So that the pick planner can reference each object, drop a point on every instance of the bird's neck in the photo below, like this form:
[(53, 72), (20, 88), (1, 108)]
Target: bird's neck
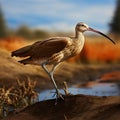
[(79, 35)]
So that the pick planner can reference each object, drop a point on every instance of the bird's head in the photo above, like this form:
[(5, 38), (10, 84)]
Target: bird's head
[(82, 27)]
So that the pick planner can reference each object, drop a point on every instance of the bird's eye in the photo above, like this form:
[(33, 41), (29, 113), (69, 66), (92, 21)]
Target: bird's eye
[(82, 25)]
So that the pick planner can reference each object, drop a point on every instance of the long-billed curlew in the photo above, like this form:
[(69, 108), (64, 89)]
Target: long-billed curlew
[(55, 50)]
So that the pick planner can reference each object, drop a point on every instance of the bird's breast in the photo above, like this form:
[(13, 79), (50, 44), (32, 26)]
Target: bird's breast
[(76, 48), (69, 51)]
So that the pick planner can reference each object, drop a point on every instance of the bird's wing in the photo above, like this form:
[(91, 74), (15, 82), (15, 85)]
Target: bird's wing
[(48, 47), (22, 52)]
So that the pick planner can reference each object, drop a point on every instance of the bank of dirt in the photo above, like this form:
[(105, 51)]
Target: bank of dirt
[(78, 107)]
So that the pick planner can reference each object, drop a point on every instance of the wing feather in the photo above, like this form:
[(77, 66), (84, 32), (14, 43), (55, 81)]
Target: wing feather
[(22, 52), (48, 48), (43, 49)]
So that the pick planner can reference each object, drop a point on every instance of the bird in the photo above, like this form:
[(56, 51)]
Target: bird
[(54, 51)]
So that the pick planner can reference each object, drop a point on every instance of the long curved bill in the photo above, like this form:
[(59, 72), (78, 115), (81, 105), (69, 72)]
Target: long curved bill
[(93, 30)]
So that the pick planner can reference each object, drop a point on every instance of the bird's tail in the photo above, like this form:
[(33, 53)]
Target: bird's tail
[(25, 61), (22, 52)]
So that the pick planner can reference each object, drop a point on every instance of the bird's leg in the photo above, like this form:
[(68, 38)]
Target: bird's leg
[(52, 78), (45, 68), (51, 74)]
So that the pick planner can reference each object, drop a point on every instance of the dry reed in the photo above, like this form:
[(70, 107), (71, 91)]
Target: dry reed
[(17, 98)]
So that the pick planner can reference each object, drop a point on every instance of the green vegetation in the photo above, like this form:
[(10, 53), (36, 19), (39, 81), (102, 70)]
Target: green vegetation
[(115, 24), (3, 27), (22, 31), (26, 32)]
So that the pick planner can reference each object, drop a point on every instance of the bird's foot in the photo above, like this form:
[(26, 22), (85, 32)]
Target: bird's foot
[(58, 95)]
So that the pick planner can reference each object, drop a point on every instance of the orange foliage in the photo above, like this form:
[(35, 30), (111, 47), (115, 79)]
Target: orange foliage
[(103, 51), (97, 50), (115, 75), (12, 43)]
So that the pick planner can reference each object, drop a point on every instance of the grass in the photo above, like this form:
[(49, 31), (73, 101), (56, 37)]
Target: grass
[(17, 98)]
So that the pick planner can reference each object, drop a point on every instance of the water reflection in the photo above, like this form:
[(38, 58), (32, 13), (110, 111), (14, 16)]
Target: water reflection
[(101, 89)]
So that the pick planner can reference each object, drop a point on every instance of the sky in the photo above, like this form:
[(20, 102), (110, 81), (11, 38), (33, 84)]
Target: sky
[(58, 15)]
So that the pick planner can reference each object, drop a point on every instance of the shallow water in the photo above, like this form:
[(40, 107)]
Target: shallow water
[(101, 89)]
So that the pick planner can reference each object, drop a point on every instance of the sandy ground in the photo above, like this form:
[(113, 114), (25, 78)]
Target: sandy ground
[(79, 107)]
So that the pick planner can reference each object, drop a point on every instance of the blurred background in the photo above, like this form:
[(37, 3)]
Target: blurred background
[(95, 71), (26, 21)]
